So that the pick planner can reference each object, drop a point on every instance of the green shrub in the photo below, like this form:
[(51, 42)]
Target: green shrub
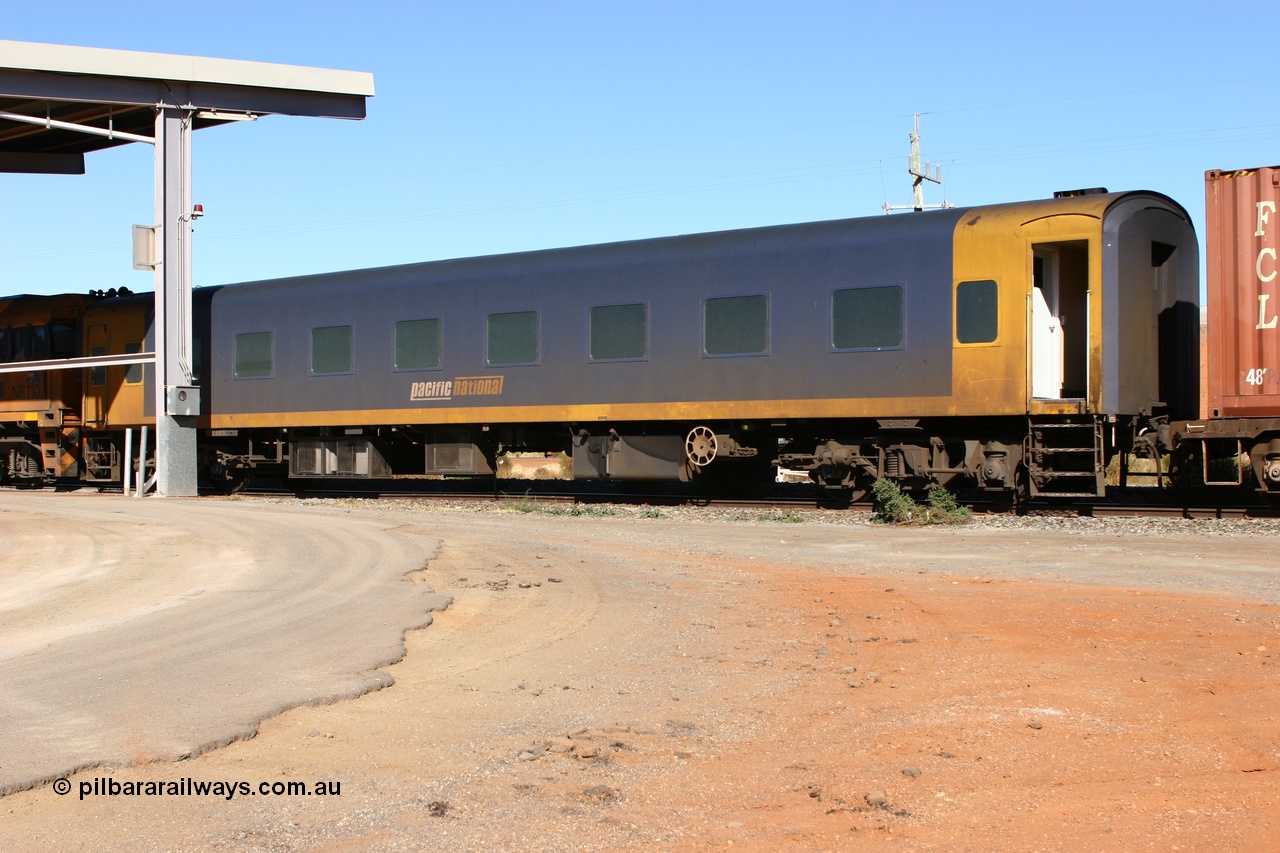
[(894, 507)]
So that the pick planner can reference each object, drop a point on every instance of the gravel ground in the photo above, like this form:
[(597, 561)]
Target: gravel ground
[(694, 679)]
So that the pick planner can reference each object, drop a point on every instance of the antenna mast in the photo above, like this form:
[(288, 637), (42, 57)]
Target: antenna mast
[(918, 177)]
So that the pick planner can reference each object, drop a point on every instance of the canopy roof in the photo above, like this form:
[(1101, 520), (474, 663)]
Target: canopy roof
[(59, 102)]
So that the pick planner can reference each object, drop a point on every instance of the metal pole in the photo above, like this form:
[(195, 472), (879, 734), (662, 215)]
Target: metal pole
[(142, 460), (175, 453), (128, 461)]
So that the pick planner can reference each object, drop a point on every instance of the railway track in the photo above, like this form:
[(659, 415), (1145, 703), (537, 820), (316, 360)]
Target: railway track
[(542, 493), (554, 494)]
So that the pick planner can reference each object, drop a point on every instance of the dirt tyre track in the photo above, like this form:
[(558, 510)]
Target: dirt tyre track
[(159, 629)]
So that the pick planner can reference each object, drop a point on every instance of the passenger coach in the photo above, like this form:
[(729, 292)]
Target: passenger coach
[(1014, 347)]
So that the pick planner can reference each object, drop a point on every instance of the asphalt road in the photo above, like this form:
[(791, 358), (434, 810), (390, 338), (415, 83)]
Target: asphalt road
[(133, 630)]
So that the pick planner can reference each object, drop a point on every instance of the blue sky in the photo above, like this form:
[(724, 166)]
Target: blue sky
[(504, 126)]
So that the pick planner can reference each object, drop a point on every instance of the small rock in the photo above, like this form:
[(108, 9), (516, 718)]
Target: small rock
[(586, 750), (602, 793), (553, 580), (560, 744), (877, 798), (913, 772), (1035, 724)]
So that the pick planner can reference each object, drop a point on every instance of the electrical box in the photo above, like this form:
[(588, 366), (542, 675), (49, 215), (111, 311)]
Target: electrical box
[(183, 401)]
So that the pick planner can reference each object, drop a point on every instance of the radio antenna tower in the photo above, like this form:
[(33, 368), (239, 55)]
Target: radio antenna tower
[(918, 177)]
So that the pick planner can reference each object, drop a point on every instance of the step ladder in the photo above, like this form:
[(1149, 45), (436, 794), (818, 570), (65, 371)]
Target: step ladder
[(1066, 459)]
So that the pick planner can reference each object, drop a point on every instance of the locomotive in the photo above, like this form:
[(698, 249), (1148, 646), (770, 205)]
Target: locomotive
[(1017, 349)]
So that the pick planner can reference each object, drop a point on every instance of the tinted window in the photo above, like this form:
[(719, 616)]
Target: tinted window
[(736, 325), (39, 343), (21, 350), (132, 372), (98, 375), (331, 350), (977, 314), (417, 345), (64, 340), (253, 355), (867, 318), (513, 338), (619, 332)]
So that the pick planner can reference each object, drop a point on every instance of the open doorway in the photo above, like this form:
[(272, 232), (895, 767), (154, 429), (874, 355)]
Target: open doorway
[(1059, 331)]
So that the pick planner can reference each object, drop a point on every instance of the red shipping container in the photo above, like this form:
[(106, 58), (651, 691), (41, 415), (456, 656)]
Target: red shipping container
[(1242, 212)]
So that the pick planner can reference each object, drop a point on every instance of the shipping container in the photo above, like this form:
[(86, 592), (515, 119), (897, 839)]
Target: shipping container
[(1242, 211)]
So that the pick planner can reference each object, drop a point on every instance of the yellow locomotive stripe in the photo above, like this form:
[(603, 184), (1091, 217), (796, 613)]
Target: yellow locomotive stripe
[(986, 392)]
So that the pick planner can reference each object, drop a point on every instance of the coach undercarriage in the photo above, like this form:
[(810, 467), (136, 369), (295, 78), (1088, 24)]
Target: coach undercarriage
[(1011, 459)]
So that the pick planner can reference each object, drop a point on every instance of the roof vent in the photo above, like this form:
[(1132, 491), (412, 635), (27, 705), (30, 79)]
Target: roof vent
[(1074, 193)]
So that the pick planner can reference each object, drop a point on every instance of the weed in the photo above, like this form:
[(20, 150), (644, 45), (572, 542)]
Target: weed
[(894, 507), (524, 504)]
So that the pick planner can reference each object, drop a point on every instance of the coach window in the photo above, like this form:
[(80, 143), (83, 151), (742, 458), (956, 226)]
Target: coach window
[(254, 355), (867, 318), (97, 375), (132, 372), (330, 350), (63, 339), (417, 345), (39, 343), (512, 338), (977, 312), (619, 332), (736, 325)]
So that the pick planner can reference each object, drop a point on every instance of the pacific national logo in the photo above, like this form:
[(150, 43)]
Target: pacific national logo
[(459, 386)]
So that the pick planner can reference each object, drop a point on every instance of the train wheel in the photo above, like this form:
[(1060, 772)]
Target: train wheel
[(700, 446), (235, 483), (1020, 494), (228, 481)]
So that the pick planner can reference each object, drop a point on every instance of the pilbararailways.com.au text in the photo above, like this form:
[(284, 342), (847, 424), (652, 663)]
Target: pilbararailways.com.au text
[(188, 787)]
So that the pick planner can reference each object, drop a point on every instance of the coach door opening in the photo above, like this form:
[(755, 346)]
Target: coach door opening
[(1059, 321)]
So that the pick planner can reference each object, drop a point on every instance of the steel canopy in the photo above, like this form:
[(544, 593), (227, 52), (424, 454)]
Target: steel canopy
[(112, 95), (59, 102)]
